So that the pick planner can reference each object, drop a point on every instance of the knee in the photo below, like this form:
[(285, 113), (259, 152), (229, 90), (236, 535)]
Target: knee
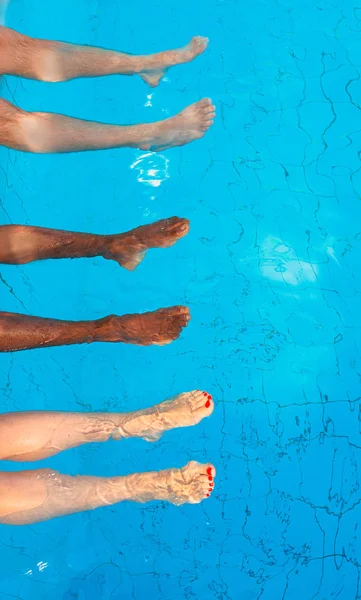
[(49, 67), (12, 230), (6, 39), (14, 246), (10, 43), (34, 133), (34, 58), (12, 133), (3, 40)]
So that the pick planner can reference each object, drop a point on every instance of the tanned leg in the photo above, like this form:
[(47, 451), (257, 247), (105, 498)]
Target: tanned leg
[(35, 435), (45, 133), (23, 332), (23, 244), (57, 61), (33, 496)]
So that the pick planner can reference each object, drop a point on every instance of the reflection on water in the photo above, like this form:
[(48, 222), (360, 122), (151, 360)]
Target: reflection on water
[(40, 566), (149, 100), (281, 263), (151, 168), (331, 252)]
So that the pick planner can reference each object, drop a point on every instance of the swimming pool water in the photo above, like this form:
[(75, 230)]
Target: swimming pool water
[(270, 271)]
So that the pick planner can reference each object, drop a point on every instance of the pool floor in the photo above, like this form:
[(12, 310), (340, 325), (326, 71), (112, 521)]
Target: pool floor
[(270, 272)]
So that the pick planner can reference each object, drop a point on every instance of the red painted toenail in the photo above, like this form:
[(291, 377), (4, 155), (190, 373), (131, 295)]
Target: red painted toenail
[(207, 495), (207, 404), (209, 471), (210, 490), (210, 478), (209, 397), (205, 394)]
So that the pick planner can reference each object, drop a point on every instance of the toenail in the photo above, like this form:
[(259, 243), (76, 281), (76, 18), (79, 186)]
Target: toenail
[(210, 478), (209, 397), (210, 490), (207, 495), (207, 404), (209, 471), (205, 394)]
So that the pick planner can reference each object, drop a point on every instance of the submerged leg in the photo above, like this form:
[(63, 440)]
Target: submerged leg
[(57, 61), (45, 133), (34, 435), (23, 244), (23, 332), (33, 496)]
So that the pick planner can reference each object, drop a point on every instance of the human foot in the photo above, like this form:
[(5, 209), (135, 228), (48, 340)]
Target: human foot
[(191, 485), (184, 410), (160, 327), (161, 62), (129, 249), (189, 125)]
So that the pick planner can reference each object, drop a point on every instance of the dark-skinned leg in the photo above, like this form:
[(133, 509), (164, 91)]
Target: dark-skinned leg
[(23, 332), (20, 244)]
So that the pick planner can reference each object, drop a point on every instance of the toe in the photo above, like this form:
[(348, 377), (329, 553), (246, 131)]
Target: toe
[(180, 315), (202, 43), (174, 221), (204, 400), (177, 311), (181, 227), (200, 398), (184, 319), (210, 471), (206, 489), (171, 221), (200, 39), (206, 102), (174, 227), (208, 405), (184, 313)]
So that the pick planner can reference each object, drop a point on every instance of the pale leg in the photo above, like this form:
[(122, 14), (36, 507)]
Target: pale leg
[(35, 435), (33, 496), (58, 61), (45, 133)]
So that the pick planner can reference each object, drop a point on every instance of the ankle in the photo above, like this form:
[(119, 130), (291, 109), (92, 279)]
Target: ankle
[(128, 64), (123, 429), (103, 329), (152, 485), (112, 328), (110, 246), (94, 245), (138, 64), (144, 134)]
